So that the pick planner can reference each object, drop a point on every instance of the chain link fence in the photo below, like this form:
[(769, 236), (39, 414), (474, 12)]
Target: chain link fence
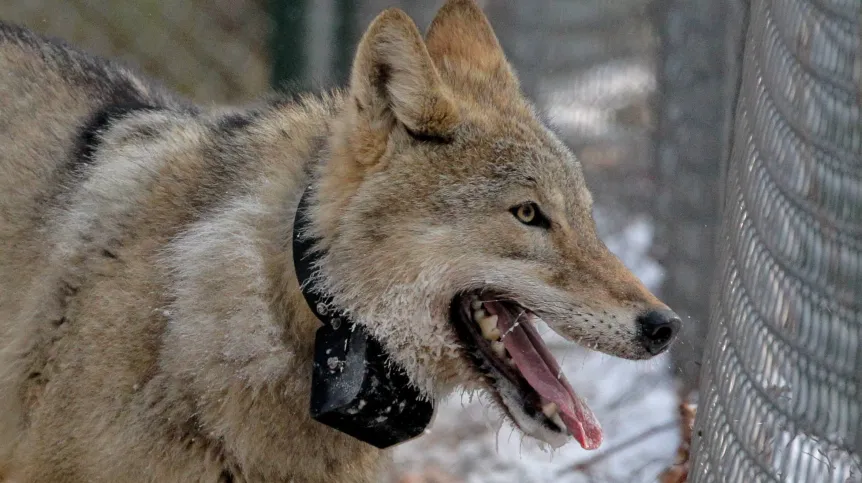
[(781, 394)]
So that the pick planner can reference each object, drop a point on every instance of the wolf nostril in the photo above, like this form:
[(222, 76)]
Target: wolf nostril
[(657, 329), (663, 333)]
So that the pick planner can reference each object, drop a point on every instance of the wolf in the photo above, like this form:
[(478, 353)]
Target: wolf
[(152, 325)]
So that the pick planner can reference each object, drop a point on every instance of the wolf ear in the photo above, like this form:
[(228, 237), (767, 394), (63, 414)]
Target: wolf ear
[(394, 79), (461, 41)]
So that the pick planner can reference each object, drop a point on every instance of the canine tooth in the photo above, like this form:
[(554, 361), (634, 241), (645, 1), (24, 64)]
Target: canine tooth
[(488, 324), (499, 348), (476, 305), (550, 409), (559, 422), (479, 315), (553, 413), (489, 321)]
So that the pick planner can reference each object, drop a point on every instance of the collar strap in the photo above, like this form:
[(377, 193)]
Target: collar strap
[(354, 387)]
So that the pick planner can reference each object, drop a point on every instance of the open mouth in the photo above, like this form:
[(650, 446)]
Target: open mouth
[(501, 340)]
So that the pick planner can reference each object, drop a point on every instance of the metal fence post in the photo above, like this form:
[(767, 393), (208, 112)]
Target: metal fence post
[(287, 44), (345, 40), (687, 164)]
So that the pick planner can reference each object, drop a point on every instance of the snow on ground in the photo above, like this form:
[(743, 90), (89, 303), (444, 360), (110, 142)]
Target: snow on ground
[(629, 398)]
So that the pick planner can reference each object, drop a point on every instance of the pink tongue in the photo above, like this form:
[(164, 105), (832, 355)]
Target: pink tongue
[(540, 369)]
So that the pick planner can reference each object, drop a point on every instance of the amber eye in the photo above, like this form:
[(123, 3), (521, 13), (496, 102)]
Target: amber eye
[(529, 214), (526, 213)]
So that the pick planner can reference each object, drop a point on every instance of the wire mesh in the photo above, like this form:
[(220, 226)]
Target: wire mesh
[(781, 391)]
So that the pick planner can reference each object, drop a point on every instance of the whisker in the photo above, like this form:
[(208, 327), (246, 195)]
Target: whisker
[(514, 325)]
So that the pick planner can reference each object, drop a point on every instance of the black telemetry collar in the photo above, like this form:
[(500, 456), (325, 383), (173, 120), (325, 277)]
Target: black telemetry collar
[(352, 389)]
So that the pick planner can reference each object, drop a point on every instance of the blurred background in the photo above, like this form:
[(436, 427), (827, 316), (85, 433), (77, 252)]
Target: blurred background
[(641, 90)]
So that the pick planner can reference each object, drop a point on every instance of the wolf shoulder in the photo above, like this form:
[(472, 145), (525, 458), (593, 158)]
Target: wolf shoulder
[(50, 93)]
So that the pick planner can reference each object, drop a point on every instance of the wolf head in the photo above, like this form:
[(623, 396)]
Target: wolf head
[(452, 220)]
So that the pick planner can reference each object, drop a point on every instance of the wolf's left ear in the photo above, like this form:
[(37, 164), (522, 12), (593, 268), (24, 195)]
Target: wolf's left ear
[(462, 42), (394, 79)]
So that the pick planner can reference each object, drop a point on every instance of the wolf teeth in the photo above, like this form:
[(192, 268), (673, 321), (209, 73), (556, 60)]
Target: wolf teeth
[(488, 324), (550, 409), (553, 413), (499, 349), (559, 422)]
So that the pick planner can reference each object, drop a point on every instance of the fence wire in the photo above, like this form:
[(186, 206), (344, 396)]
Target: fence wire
[(781, 390)]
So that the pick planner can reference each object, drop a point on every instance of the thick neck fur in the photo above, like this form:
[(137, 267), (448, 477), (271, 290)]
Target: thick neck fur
[(239, 335)]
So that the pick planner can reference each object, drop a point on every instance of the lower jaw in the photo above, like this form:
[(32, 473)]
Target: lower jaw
[(522, 405), (529, 421)]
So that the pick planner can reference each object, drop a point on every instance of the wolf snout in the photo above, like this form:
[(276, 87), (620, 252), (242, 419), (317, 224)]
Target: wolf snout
[(658, 329)]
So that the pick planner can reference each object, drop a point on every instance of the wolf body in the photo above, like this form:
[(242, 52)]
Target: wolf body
[(151, 324)]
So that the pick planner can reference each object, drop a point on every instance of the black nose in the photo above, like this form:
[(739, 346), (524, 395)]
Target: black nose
[(657, 329)]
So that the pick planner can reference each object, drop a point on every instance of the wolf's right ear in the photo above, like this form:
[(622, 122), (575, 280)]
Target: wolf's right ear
[(395, 80)]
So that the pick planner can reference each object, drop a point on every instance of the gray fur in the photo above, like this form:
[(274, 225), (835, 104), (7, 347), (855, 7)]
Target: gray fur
[(151, 326)]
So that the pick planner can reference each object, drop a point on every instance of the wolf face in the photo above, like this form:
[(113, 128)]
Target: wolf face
[(452, 220)]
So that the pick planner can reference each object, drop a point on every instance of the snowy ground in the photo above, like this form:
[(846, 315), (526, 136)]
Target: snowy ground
[(629, 399)]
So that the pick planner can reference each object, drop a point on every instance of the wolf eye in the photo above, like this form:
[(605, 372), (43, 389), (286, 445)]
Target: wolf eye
[(529, 214), (526, 213)]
